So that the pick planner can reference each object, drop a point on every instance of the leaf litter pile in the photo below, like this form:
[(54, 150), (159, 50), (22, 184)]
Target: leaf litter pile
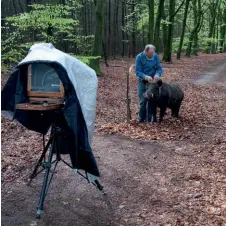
[(201, 129)]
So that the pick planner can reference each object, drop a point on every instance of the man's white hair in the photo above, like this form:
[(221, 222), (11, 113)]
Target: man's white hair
[(148, 47)]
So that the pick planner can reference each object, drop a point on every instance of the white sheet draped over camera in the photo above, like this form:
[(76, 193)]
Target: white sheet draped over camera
[(83, 78)]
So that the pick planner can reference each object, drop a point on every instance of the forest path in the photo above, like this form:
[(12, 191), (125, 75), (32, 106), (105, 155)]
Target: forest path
[(216, 73), (147, 182)]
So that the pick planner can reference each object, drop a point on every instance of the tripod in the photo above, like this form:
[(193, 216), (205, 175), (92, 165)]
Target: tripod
[(53, 143)]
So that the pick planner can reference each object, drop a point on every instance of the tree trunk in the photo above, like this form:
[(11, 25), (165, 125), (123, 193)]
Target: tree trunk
[(168, 47), (222, 32), (217, 30), (123, 33), (195, 45), (116, 25), (105, 55), (213, 11), (14, 7), (28, 4), (151, 7), (109, 26), (213, 44), (195, 39), (143, 40), (84, 18), (128, 100), (157, 41), (115, 28), (134, 29), (183, 29), (196, 28), (164, 34), (127, 36), (97, 47), (21, 7), (90, 17)]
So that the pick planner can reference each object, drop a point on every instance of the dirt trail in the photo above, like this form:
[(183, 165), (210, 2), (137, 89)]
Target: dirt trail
[(216, 73), (147, 183)]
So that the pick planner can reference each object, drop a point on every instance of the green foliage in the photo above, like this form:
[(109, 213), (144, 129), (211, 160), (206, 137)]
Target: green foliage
[(176, 42), (4, 68), (140, 15), (166, 22), (206, 41), (84, 42), (44, 23), (12, 48), (45, 20), (142, 23), (86, 59), (91, 61)]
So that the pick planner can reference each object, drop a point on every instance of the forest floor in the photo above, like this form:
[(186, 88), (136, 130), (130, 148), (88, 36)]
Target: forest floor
[(157, 175)]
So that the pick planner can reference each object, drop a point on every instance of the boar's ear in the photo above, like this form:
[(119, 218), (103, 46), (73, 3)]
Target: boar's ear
[(159, 82)]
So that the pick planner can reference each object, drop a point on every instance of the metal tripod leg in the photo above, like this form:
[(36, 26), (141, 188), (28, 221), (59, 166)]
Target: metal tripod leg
[(34, 174), (94, 181), (99, 186), (45, 181), (57, 160)]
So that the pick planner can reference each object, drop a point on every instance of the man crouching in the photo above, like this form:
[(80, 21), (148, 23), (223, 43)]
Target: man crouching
[(148, 68)]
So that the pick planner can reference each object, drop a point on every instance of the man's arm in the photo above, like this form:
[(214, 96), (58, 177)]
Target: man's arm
[(138, 68), (158, 66)]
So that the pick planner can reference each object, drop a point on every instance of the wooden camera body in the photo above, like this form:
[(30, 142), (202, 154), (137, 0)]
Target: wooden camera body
[(44, 89)]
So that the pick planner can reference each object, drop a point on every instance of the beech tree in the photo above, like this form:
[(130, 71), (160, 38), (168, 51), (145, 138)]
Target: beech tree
[(183, 29), (99, 28), (197, 24)]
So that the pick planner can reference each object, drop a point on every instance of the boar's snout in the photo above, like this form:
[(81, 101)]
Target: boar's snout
[(148, 96)]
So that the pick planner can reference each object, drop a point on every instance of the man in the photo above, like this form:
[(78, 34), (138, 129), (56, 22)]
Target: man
[(148, 68)]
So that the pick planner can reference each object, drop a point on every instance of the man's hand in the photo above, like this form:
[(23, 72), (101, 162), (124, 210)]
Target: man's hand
[(156, 77), (148, 78)]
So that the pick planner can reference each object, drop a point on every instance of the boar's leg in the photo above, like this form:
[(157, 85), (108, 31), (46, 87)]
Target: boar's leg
[(152, 112), (175, 111), (162, 112)]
